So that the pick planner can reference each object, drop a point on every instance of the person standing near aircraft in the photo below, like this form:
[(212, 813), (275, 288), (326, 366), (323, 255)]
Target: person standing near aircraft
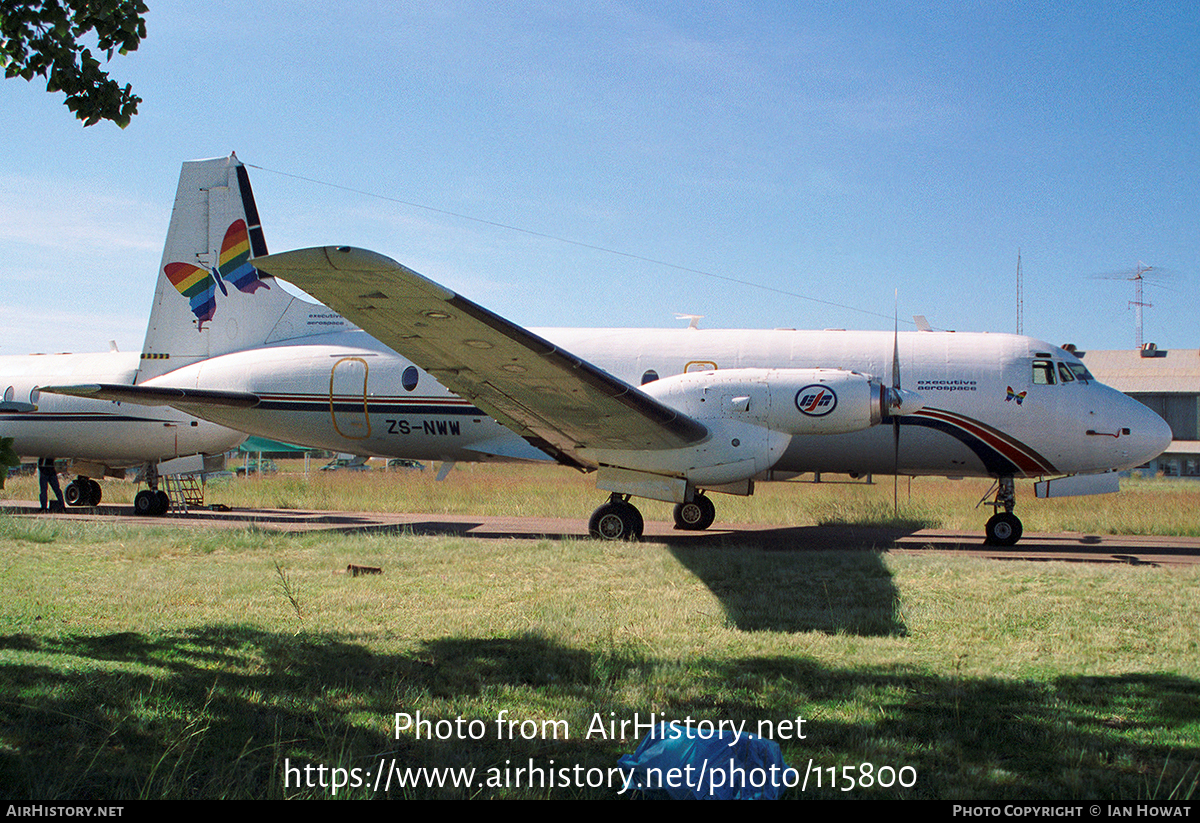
[(48, 479)]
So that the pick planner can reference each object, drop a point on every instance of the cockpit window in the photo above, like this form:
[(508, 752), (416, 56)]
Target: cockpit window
[(1080, 371), (1043, 373), (1064, 374)]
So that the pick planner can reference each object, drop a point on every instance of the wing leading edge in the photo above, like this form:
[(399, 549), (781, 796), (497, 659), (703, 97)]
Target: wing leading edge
[(554, 399)]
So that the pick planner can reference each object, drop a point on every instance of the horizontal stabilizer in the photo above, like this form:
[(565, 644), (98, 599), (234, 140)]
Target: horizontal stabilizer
[(158, 395)]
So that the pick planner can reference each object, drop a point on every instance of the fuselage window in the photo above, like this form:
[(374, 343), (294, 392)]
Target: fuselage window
[(409, 378), (649, 377), (34, 394), (1064, 374), (8, 394), (1043, 373)]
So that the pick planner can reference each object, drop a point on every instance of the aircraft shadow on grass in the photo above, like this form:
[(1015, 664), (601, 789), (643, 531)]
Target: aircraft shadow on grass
[(787, 580), (217, 711), (834, 592), (791, 579)]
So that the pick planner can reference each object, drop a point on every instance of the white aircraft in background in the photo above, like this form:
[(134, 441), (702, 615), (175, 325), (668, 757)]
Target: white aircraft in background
[(102, 437), (668, 415)]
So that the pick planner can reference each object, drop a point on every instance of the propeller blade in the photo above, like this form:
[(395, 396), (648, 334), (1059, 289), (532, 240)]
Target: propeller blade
[(896, 344), (896, 401)]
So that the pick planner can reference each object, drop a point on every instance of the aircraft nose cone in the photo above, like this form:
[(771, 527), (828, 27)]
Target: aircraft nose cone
[(1155, 435), (1148, 434)]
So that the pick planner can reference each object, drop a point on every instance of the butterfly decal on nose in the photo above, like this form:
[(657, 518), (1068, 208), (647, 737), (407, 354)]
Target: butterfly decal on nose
[(1018, 396), (200, 285)]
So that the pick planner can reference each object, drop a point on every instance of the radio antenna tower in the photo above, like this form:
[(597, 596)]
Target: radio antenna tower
[(1138, 276), (1137, 302), (1020, 298)]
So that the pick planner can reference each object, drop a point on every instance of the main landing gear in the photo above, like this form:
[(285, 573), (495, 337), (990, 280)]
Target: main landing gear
[(1004, 528), (696, 515), (82, 491), (618, 519)]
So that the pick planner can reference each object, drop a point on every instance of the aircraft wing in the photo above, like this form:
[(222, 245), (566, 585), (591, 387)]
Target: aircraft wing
[(555, 400), (158, 395)]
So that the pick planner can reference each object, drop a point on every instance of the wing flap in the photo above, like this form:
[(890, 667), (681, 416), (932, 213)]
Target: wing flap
[(542, 392)]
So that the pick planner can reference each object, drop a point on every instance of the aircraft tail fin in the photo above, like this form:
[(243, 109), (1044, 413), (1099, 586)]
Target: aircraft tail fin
[(210, 299)]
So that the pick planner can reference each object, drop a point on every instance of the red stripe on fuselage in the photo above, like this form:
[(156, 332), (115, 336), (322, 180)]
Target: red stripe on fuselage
[(1021, 456)]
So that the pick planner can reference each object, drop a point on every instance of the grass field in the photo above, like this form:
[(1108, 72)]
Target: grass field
[(166, 663)]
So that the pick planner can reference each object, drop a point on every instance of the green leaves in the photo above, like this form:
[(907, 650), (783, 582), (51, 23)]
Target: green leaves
[(8, 458), (43, 38)]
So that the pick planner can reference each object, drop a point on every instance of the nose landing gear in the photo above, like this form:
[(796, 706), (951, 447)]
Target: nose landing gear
[(1003, 528), (151, 502)]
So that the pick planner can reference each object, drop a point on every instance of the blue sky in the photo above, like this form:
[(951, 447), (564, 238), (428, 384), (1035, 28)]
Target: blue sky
[(830, 153)]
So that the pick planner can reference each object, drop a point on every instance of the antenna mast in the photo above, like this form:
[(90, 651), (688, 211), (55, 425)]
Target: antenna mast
[(1020, 297), (1142, 268)]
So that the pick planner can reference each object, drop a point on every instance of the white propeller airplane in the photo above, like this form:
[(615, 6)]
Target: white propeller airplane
[(669, 415), (102, 437)]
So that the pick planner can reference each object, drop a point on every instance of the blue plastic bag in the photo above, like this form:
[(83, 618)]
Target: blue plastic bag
[(686, 763)]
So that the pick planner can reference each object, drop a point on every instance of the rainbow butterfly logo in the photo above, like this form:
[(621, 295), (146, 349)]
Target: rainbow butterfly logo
[(199, 285), (1012, 395)]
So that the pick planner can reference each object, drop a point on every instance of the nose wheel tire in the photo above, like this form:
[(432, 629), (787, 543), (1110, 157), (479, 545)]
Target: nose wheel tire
[(696, 515), (1003, 529), (616, 520)]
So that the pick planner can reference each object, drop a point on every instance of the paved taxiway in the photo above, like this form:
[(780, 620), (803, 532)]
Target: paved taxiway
[(1061, 546)]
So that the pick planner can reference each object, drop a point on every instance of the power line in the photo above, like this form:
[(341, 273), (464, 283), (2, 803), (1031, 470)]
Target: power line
[(568, 241)]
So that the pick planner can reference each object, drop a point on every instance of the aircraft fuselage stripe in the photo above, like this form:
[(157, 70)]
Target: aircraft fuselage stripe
[(1022, 458), (372, 405)]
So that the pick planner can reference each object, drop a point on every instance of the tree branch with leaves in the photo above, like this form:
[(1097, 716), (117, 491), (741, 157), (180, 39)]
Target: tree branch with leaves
[(43, 38), (8, 458)]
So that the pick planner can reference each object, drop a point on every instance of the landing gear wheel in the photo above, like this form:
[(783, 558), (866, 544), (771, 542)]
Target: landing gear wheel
[(75, 493), (164, 503), (616, 520), (146, 503), (94, 493), (1003, 529), (695, 516)]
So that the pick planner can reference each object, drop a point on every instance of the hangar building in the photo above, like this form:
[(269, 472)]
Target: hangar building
[(1167, 381)]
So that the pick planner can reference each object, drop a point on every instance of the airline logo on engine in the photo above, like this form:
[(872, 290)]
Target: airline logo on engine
[(816, 400)]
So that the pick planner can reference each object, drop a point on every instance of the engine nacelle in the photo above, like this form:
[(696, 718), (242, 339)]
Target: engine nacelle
[(791, 401)]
